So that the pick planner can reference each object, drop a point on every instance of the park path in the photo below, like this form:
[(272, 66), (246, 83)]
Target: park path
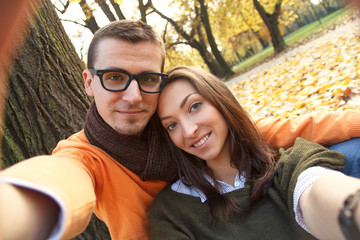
[(349, 25)]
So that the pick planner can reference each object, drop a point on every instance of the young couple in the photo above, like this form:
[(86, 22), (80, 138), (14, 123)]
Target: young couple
[(123, 157)]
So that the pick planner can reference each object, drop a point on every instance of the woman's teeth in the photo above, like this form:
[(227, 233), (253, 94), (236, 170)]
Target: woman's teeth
[(202, 141)]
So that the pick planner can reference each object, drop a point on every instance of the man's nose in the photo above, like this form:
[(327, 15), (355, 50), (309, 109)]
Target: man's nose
[(132, 94)]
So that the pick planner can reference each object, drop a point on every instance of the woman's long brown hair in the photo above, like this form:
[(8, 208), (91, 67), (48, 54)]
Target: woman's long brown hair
[(249, 153)]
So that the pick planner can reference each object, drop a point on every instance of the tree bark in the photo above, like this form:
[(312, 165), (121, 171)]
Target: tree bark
[(271, 22), (13, 17), (46, 100), (226, 69)]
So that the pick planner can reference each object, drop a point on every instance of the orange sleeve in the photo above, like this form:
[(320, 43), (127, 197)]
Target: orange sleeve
[(65, 180), (324, 127)]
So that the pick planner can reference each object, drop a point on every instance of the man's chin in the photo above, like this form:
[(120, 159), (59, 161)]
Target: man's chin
[(130, 129)]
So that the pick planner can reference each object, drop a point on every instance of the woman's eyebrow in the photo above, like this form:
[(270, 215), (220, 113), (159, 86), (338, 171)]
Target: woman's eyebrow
[(185, 99), (181, 105)]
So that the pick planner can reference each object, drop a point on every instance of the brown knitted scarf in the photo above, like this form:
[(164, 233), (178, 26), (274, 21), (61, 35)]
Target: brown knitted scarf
[(146, 160)]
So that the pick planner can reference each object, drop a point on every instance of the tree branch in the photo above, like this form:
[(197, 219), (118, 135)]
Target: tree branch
[(65, 7), (117, 9)]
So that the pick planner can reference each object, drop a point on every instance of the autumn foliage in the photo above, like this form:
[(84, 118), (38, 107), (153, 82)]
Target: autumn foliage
[(326, 75)]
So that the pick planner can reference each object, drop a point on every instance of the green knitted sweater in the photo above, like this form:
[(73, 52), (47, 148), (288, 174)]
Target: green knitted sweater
[(179, 216)]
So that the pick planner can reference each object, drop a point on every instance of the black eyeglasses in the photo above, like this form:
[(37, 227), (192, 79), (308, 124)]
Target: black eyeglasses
[(119, 80)]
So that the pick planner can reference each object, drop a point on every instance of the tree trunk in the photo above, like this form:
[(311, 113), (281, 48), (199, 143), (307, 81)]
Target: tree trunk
[(46, 100), (106, 10), (14, 20), (226, 69), (315, 12), (90, 21), (200, 45), (326, 6), (264, 44), (208, 59), (117, 9), (142, 9), (271, 22)]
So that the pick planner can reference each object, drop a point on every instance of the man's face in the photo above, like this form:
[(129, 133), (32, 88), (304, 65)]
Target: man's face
[(128, 111)]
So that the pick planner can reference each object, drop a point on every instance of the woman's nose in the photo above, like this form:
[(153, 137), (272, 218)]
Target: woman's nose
[(189, 129)]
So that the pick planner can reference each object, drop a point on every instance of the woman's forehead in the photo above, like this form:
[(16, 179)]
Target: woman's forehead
[(173, 95)]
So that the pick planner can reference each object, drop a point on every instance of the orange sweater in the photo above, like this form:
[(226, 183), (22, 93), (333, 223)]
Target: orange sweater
[(86, 179), (83, 178)]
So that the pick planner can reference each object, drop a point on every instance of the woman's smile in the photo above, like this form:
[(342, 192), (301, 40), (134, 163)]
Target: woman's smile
[(202, 141)]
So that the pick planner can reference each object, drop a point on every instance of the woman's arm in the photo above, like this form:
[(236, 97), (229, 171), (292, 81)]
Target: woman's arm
[(323, 127), (322, 201)]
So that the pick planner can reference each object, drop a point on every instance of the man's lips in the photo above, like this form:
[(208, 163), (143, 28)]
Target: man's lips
[(131, 112)]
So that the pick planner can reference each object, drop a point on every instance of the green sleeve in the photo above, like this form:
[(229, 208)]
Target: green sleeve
[(164, 222), (295, 160)]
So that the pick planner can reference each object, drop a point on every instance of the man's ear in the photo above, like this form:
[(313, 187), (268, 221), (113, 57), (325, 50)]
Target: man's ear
[(87, 76)]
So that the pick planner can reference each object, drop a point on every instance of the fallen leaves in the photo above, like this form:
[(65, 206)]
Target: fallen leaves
[(327, 76)]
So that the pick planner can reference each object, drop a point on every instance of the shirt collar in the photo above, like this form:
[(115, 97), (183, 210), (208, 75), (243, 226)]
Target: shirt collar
[(180, 187)]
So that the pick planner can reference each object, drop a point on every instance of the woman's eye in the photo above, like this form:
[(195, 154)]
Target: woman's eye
[(171, 126), (195, 106)]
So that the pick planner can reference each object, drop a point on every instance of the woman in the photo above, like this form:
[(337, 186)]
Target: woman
[(232, 185)]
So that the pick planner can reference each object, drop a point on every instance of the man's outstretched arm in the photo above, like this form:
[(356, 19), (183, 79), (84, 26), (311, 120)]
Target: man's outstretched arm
[(26, 214), (45, 195), (323, 127)]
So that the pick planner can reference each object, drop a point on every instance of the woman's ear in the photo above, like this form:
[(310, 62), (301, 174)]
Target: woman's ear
[(87, 76)]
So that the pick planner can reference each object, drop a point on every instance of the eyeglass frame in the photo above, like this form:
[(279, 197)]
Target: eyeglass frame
[(100, 73)]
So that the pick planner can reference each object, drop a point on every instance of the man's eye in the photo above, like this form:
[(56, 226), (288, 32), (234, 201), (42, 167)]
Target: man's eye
[(153, 79), (112, 76), (147, 79)]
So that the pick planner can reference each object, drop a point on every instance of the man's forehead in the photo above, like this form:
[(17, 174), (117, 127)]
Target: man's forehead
[(120, 53)]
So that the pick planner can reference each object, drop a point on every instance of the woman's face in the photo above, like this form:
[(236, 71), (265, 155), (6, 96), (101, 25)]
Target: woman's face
[(193, 124)]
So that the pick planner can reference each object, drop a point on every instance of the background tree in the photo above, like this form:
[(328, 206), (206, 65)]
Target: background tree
[(90, 20), (201, 41), (194, 29), (214, 34), (271, 21), (14, 21), (46, 100), (244, 33)]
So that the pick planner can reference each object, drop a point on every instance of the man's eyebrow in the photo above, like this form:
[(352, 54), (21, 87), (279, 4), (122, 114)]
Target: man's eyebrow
[(181, 105), (117, 68)]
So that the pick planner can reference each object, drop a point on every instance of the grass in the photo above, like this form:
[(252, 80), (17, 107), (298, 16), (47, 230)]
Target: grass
[(293, 38)]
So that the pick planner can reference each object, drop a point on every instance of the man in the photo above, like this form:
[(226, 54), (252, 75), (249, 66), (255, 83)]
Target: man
[(116, 166)]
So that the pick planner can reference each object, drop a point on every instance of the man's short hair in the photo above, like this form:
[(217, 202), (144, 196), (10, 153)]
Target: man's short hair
[(129, 30)]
